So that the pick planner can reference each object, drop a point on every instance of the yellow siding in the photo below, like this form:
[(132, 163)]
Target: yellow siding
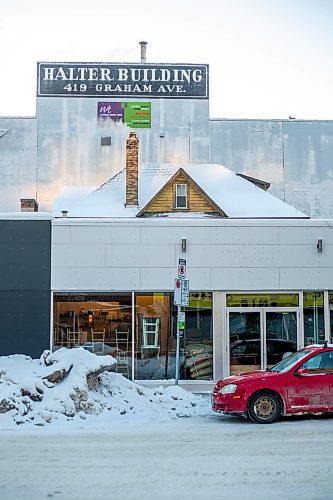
[(164, 201)]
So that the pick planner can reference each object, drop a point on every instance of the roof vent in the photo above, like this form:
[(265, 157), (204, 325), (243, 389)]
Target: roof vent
[(143, 51)]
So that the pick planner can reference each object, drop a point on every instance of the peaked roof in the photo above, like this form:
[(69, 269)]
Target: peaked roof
[(236, 196), (180, 173)]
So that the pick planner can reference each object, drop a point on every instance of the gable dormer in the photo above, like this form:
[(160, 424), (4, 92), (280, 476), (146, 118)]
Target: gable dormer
[(181, 195)]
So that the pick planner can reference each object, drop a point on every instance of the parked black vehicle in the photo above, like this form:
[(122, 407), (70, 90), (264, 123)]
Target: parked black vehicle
[(241, 350)]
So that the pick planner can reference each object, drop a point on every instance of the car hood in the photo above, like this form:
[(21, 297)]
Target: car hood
[(247, 377)]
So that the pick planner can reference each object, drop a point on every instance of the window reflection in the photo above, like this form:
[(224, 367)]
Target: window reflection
[(152, 327), (281, 335), (245, 346), (98, 323), (263, 300), (197, 343), (313, 311), (156, 337)]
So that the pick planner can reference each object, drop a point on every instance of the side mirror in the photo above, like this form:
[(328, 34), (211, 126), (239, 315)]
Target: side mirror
[(300, 372)]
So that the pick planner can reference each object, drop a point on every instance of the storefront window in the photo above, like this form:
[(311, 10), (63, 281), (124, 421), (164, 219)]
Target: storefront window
[(313, 311), (152, 336), (99, 323), (196, 345), (156, 338), (102, 324), (263, 300)]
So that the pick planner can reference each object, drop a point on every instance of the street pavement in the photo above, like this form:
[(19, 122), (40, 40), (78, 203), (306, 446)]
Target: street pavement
[(206, 457)]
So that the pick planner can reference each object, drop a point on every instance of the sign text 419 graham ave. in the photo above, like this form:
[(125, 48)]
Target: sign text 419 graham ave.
[(123, 80)]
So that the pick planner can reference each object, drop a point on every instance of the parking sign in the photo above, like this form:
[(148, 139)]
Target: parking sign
[(185, 294), (178, 292), (181, 268)]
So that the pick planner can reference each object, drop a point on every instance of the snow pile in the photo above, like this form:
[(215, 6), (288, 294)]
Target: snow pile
[(76, 385)]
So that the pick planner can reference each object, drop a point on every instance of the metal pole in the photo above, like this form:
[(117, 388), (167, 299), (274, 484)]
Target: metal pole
[(177, 348)]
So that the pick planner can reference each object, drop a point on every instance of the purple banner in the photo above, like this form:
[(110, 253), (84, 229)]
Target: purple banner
[(113, 110)]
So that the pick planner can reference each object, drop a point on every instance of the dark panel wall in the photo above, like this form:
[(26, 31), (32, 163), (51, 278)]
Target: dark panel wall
[(25, 284)]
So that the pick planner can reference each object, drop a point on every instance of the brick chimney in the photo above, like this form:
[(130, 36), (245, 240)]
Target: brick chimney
[(29, 205), (132, 168)]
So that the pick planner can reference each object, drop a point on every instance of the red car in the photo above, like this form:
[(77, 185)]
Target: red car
[(301, 383)]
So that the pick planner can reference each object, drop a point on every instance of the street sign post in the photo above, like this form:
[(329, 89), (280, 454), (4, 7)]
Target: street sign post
[(181, 298)]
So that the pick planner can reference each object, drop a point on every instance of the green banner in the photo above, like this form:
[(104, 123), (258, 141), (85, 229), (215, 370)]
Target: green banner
[(313, 299), (263, 300), (201, 300), (137, 114)]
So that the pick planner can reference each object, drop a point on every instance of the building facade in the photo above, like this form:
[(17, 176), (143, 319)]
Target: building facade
[(258, 289), (77, 137), (101, 271)]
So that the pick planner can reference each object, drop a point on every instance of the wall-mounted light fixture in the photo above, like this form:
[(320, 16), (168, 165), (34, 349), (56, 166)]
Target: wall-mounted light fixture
[(183, 244), (320, 245)]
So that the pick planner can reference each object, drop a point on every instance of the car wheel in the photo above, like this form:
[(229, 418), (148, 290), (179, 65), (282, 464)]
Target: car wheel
[(264, 408)]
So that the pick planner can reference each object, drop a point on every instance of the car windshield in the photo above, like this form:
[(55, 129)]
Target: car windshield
[(291, 360)]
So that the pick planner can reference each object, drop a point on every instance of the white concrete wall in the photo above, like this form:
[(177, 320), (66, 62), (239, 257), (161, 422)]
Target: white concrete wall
[(69, 140), (295, 156), (143, 254)]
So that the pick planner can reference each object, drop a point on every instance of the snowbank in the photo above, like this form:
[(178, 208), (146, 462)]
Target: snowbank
[(75, 385)]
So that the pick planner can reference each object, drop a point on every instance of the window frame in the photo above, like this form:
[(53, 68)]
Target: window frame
[(176, 206)]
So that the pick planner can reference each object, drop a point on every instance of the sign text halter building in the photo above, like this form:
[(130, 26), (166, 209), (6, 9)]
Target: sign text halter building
[(122, 80)]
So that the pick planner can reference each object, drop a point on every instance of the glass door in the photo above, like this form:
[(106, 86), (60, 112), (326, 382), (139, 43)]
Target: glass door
[(244, 341), (313, 313), (280, 331), (260, 338)]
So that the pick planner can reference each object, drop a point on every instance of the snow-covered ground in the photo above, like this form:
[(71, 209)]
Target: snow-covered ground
[(107, 438), (75, 388), (206, 458)]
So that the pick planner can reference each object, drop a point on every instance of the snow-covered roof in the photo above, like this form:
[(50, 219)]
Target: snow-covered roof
[(236, 196)]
